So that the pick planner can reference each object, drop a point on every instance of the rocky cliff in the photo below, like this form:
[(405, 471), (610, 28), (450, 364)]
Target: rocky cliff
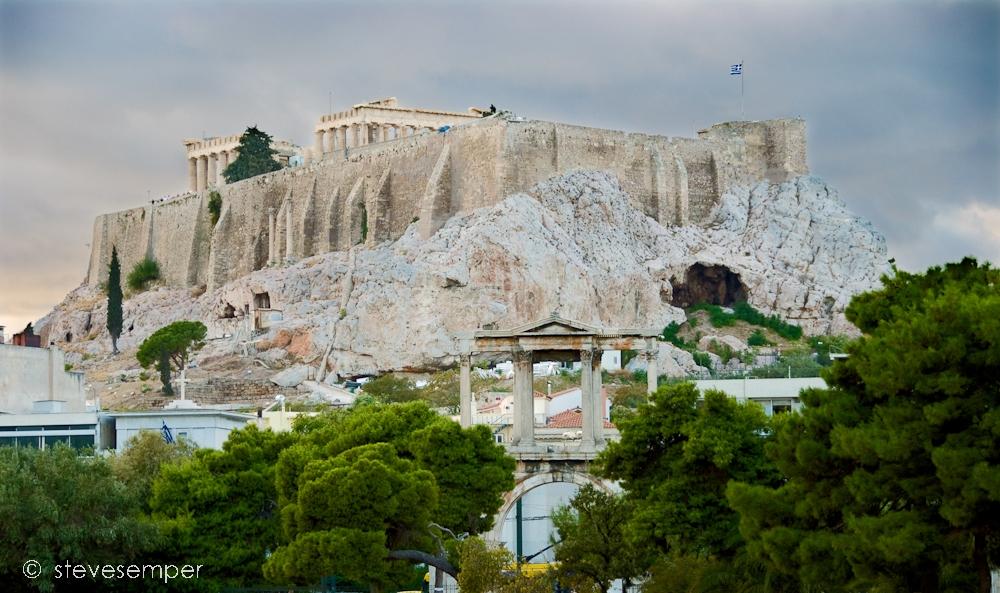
[(573, 245)]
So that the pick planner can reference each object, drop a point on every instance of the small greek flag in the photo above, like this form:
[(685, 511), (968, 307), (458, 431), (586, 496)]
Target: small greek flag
[(167, 435), (736, 69)]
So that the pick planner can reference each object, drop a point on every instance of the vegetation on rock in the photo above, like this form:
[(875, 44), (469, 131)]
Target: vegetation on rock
[(144, 272), (170, 347), (214, 206)]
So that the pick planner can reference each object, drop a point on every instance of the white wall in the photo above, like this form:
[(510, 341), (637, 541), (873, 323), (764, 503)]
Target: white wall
[(31, 374), (203, 428)]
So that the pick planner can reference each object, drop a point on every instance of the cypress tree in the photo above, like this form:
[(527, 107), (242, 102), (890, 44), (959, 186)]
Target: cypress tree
[(114, 299), (256, 156)]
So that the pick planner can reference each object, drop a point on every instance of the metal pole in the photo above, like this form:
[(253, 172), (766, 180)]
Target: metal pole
[(518, 535)]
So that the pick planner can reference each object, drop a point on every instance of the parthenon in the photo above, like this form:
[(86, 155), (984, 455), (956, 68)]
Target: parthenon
[(209, 157), (378, 121)]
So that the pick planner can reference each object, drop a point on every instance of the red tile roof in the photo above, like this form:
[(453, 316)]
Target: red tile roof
[(570, 419)]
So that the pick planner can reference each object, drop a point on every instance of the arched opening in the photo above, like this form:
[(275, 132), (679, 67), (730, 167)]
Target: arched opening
[(716, 285), (229, 311), (69, 336)]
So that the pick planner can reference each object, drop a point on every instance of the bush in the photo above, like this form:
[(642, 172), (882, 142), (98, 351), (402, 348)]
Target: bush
[(215, 206), (143, 273), (702, 359), (670, 335), (757, 338)]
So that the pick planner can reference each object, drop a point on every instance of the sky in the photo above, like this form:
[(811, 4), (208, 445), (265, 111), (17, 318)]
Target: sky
[(900, 98)]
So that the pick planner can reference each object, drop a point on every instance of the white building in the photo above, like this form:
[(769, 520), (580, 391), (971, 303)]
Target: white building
[(774, 395), (201, 427)]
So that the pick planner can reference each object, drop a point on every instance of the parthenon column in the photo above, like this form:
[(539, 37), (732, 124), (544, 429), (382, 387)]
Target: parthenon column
[(212, 173), (342, 137), (270, 235), (363, 135), (587, 440), (465, 391), (202, 171), (233, 154), (193, 174), (524, 400)]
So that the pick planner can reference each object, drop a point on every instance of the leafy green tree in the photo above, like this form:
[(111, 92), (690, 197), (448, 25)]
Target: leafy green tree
[(488, 568), (674, 460), (139, 465), (57, 506), (592, 539), (114, 299), (171, 346), (255, 157), (893, 474), (392, 389), (219, 508), (409, 475)]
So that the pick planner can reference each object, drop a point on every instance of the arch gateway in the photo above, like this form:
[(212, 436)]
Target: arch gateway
[(549, 455)]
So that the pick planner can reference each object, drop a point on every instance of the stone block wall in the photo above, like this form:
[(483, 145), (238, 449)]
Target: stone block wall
[(429, 177)]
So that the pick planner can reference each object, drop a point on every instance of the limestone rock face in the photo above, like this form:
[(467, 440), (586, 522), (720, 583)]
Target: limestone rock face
[(734, 343), (573, 246)]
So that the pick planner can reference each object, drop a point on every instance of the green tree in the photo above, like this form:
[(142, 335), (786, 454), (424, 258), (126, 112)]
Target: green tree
[(57, 506), (488, 568), (367, 492), (139, 465), (893, 474), (219, 508), (171, 346), (392, 389), (114, 299), (674, 460), (592, 539), (255, 157)]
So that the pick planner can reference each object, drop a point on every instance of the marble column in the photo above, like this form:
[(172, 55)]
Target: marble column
[(524, 400), (363, 134), (202, 171), (342, 137), (271, 227), (597, 413), (193, 174), (652, 372), (233, 154), (288, 231), (465, 390), (213, 175), (318, 148), (587, 440)]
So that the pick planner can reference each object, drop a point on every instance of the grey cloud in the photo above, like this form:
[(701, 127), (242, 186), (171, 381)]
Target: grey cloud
[(95, 97)]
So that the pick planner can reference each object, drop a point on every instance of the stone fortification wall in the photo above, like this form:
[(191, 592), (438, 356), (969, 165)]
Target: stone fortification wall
[(380, 189)]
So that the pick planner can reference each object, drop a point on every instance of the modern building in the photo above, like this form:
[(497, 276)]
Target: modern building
[(202, 427), (32, 375), (776, 396)]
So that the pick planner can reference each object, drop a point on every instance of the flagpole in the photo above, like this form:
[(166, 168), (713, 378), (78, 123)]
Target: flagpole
[(742, 112)]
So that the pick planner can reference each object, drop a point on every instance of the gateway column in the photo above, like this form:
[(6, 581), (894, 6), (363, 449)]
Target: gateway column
[(524, 401), (465, 390), (587, 440)]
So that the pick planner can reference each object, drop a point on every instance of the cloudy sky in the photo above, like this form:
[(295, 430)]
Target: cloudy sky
[(901, 98)]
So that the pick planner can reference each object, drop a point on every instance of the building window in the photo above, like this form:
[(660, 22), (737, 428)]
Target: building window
[(499, 438)]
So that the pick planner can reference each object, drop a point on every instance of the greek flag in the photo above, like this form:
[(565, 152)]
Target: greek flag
[(736, 69), (167, 435)]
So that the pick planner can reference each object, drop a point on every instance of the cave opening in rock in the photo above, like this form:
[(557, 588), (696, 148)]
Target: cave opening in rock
[(716, 285)]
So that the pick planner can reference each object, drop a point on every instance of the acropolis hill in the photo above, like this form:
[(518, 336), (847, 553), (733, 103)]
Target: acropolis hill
[(426, 176), (399, 229)]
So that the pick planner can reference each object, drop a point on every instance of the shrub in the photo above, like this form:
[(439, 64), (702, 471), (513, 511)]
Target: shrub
[(143, 273), (702, 359), (670, 335), (757, 338), (214, 206)]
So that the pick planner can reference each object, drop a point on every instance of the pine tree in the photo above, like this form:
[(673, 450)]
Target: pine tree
[(114, 299), (255, 158)]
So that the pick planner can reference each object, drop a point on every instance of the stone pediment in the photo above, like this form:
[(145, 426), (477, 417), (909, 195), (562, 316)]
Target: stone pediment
[(555, 325)]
